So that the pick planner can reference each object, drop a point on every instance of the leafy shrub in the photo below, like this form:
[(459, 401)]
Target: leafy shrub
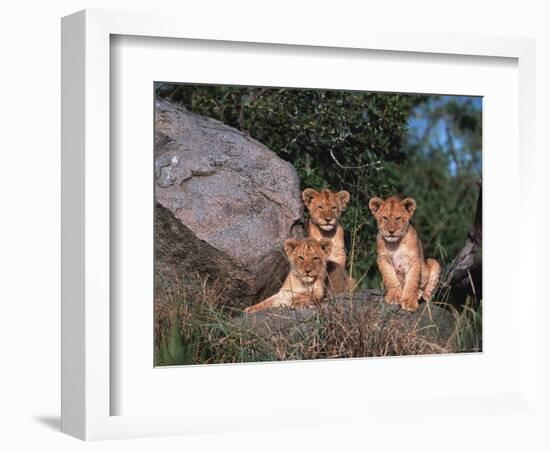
[(427, 147)]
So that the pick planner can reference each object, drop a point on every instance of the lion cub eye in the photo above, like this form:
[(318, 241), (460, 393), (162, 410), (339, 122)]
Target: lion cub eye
[(315, 258), (320, 207), (301, 258), (334, 208), (385, 219), (398, 218)]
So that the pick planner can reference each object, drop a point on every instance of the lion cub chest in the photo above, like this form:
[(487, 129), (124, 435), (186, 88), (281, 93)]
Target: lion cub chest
[(400, 262), (338, 253), (399, 259)]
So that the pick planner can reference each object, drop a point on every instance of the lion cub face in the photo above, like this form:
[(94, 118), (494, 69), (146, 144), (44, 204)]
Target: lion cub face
[(392, 216), (308, 257), (325, 207)]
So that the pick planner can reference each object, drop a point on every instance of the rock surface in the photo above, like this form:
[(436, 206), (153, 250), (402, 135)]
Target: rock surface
[(226, 188), (179, 255), (430, 321)]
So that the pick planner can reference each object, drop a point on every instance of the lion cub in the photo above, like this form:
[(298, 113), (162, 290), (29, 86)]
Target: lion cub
[(407, 277), (325, 208), (304, 285)]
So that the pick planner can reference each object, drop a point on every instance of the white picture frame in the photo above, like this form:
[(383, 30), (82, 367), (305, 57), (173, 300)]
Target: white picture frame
[(87, 385)]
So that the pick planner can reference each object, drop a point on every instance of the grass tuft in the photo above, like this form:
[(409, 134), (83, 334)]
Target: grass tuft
[(192, 327)]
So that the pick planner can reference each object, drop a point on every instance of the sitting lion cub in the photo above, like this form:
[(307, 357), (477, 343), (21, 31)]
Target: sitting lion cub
[(325, 208), (406, 275), (304, 285)]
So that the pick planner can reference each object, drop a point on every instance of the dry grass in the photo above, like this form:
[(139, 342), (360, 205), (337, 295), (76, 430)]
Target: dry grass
[(192, 327)]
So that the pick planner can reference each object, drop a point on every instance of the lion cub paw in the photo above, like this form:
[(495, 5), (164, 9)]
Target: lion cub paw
[(393, 295), (409, 304)]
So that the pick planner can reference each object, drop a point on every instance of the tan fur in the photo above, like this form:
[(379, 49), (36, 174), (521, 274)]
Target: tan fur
[(304, 286), (325, 209), (338, 280), (407, 276)]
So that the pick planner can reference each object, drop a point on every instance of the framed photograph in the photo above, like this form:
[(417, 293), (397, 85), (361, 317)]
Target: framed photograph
[(242, 276), (253, 217)]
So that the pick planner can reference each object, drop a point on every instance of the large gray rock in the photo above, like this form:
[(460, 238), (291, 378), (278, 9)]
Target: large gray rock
[(228, 189), (181, 259)]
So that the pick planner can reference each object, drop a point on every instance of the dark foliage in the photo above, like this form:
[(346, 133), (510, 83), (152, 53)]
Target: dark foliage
[(427, 147)]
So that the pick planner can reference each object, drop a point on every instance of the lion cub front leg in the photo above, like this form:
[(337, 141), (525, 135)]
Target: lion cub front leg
[(281, 298), (391, 281), (411, 289), (303, 301)]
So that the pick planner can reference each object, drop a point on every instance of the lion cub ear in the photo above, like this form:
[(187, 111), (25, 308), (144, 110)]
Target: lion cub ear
[(409, 204), (343, 198), (326, 246), (308, 195), (290, 245), (374, 204)]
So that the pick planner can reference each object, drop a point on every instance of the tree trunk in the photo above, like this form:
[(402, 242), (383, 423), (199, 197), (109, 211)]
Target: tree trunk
[(464, 278)]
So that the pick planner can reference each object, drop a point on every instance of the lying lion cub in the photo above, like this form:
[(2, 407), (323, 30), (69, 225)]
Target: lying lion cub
[(407, 277), (304, 285)]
